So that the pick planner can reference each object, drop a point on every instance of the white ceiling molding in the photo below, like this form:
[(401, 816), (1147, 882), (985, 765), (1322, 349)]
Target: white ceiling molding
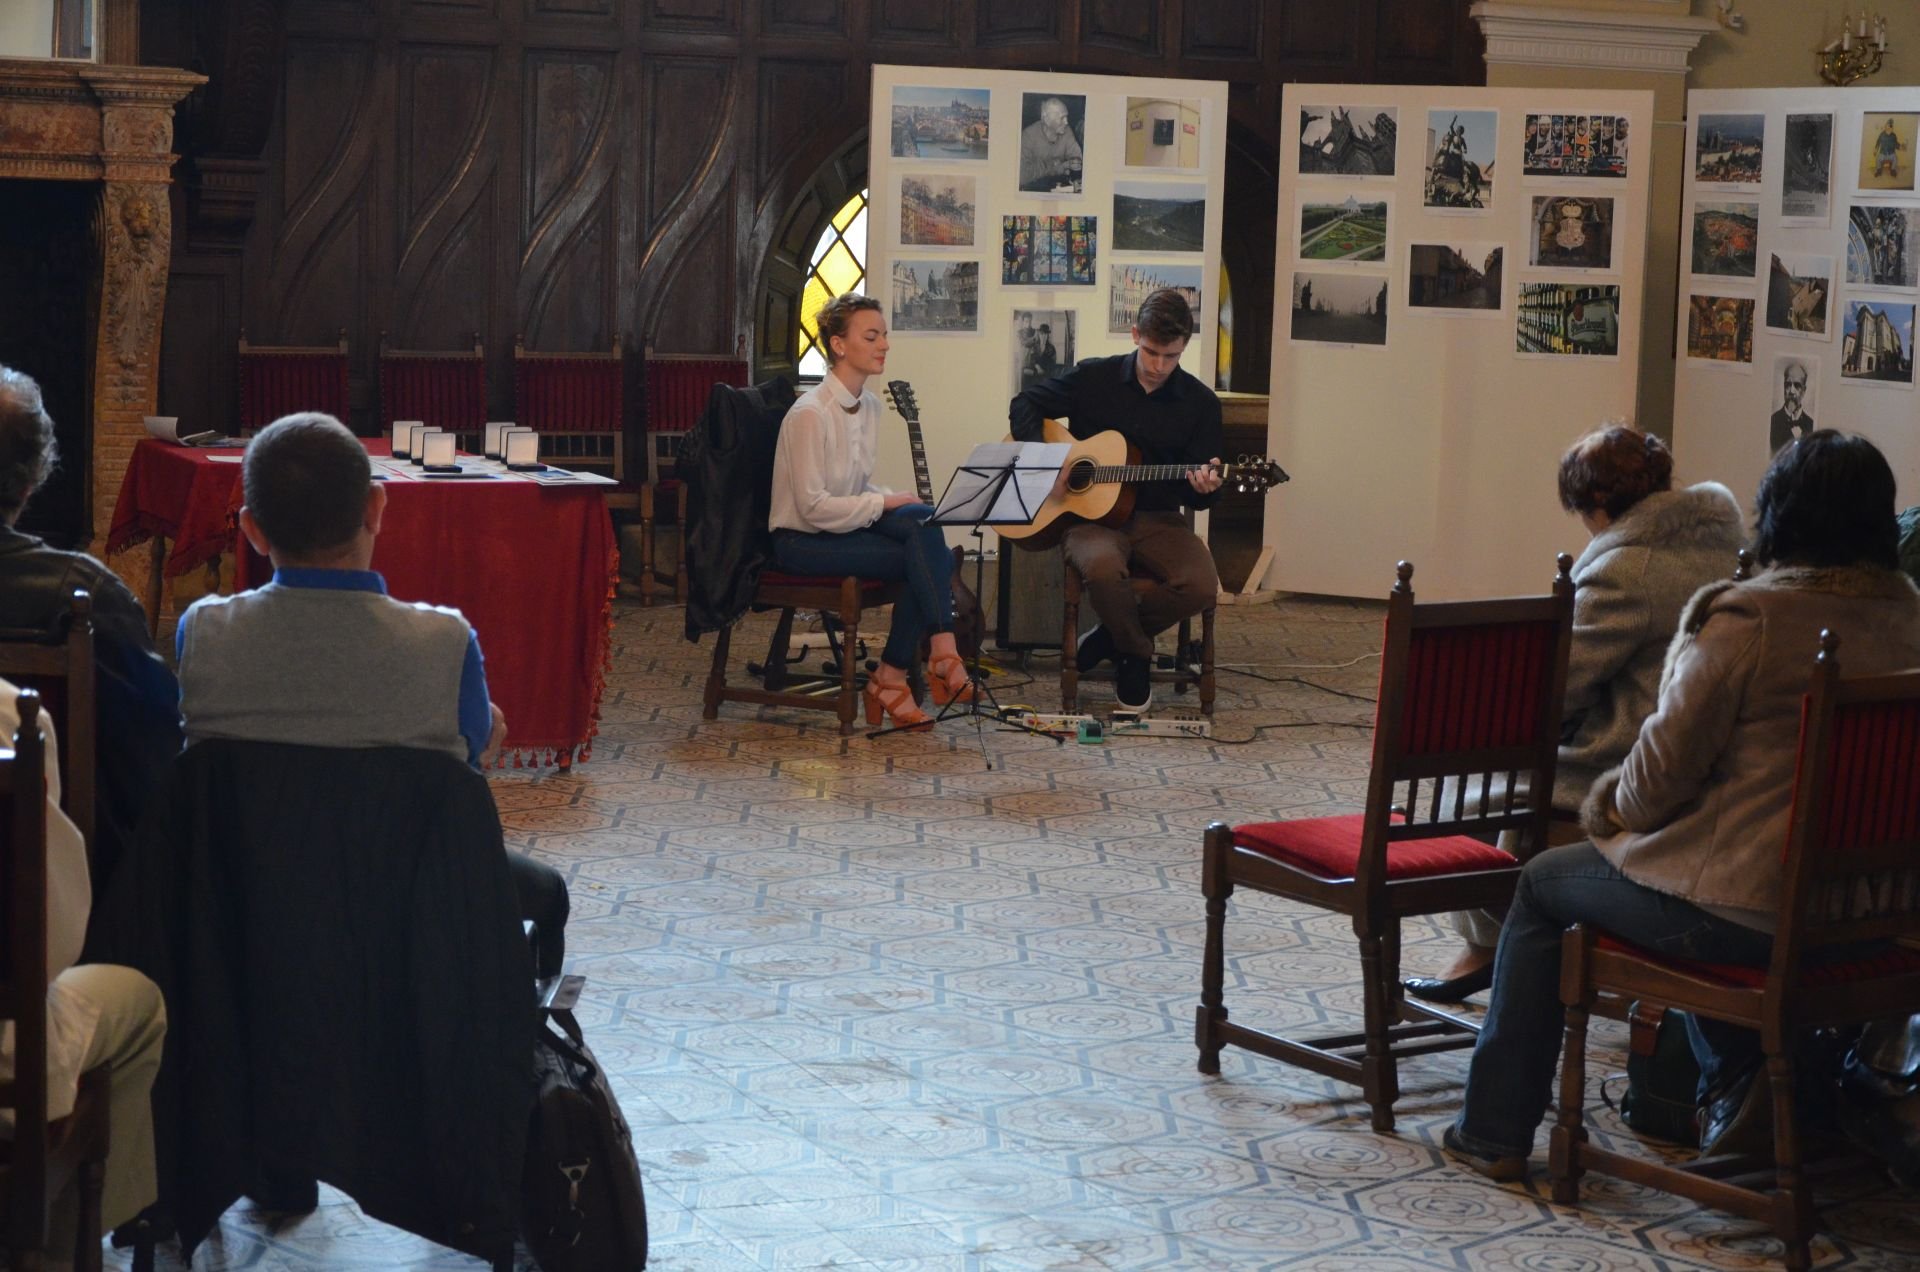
[(1538, 35)]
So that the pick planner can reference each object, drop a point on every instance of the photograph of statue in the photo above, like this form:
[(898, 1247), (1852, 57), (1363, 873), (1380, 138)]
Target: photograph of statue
[(1883, 245), (1460, 155), (1351, 141)]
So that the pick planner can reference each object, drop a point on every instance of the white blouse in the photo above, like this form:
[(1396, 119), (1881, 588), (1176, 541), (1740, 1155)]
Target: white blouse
[(823, 463)]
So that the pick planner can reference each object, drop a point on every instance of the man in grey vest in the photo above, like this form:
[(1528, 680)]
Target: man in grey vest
[(322, 656)]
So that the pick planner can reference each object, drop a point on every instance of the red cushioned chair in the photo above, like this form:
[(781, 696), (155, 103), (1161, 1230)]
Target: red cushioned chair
[(677, 385), (442, 388), (1850, 877), (577, 403), (277, 380), (1469, 712)]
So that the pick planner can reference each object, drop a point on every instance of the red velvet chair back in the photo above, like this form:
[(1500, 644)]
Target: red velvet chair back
[(569, 392), (677, 386), (23, 973), (444, 389), (1469, 715), (277, 380), (1853, 842)]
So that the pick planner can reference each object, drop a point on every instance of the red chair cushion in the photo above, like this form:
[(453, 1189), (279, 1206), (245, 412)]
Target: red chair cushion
[(1896, 960), (1330, 847)]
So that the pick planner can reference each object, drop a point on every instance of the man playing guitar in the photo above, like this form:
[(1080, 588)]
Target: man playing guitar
[(1173, 419)]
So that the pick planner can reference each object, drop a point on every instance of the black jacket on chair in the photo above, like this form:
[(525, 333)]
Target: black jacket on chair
[(349, 995), (727, 464)]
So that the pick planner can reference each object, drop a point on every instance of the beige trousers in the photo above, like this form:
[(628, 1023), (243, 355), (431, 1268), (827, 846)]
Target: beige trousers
[(126, 1043), (1142, 577)]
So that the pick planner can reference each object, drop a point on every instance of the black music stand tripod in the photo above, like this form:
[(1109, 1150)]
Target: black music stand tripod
[(974, 499)]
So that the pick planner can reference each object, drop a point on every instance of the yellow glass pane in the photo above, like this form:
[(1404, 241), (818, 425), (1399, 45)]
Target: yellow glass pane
[(814, 295), (839, 270), (848, 210)]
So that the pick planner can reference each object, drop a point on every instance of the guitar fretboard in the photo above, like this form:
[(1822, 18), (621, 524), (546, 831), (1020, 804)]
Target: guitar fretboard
[(1103, 473), (922, 482)]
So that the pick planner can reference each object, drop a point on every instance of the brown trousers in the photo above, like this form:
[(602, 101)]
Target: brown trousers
[(1142, 577)]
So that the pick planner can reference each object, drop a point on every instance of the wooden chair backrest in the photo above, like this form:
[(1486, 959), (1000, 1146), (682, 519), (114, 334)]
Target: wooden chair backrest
[(443, 388), (62, 673), (1852, 856), (277, 380), (577, 403), (23, 971), (1470, 706)]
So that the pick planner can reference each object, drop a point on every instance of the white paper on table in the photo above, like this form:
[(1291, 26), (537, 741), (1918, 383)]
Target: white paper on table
[(566, 477)]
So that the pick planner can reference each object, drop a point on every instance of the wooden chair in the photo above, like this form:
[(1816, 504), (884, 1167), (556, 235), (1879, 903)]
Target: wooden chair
[(1850, 878), (844, 598), (42, 1158), (277, 380), (677, 385), (60, 670), (1469, 711), (577, 403), (443, 388), (1180, 676)]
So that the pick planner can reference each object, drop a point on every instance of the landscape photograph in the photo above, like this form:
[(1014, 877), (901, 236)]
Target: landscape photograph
[(1339, 309), (1150, 217), (1726, 239), (1350, 232)]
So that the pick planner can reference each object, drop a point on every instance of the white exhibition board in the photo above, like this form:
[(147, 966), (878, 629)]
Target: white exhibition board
[(1835, 217), (1432, 438), (964, 378)]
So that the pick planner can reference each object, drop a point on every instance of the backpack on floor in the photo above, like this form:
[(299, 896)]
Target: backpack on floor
[(582, 1208), (1662, 1075)]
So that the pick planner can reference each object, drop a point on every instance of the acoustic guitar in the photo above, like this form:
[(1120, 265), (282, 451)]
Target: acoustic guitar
[(968, 624), (1101, 473)]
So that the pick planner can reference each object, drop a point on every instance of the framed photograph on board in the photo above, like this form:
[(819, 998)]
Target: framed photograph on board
[(1053, 139), (1720, 331), (1800, 296), (1042, 345), (1455, 277), (1883, 245), (1573, 146), (1806, 177), (1339, 309), (948, 124), (1571, 319), (1796, 405), (1726, 240), (1887, 149), (1048, 251), (1460, 160), (1159, 217), (1131, 284), (936, 211), (1877, 343), (1348, 140), (935, 296), (1163, 133), (1350, 231), (1729, 151), (1571, 232)]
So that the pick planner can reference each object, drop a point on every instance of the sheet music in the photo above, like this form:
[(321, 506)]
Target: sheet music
[(1035, 467)]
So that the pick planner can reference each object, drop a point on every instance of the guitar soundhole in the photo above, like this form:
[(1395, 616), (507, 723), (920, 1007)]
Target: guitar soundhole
[(1080, 476)]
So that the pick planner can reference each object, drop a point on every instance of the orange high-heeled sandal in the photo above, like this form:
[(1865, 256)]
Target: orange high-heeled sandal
[(947, 679), (896, 701)]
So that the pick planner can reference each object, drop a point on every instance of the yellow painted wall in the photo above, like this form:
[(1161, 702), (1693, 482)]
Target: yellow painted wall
[(1776, 49)]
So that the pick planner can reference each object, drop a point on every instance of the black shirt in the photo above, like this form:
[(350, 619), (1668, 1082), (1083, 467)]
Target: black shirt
[(1178, 423)]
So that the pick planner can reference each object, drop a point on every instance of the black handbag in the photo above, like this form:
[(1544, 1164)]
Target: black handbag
[(1662, 1076), (582, 1205)]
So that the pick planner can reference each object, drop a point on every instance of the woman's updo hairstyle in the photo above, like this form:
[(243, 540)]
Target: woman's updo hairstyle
[(836, 316), (1613, 468)]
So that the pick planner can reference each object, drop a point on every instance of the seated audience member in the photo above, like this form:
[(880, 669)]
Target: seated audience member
[(1687, 832), (137, 727), (98, 1015), (1652, 548), (322, 656)]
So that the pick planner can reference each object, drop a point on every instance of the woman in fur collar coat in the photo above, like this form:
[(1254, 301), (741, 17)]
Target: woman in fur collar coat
[(1652, 548), (1687, 832)]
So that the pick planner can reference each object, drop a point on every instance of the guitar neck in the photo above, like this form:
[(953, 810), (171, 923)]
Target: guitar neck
[(1101, 474), (922, 482)]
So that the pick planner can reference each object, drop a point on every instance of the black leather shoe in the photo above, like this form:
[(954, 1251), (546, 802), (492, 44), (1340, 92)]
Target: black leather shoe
[(1738, 1120), (1096, 646), (154, 1225), (1132, 683), (1432, 989)]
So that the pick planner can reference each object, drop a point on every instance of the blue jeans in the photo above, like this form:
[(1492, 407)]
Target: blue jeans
[(900, 547), (1511, 1081)]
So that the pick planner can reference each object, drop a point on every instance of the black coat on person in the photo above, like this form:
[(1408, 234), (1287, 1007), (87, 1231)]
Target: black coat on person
[(726, 462), (349, 993)]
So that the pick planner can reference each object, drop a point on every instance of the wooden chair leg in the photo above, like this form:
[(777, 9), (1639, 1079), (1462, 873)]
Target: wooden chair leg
[(1379, 1078), (86, 1242), (647, 582), (1182, 642), (1206, 660), (1070, 641), (1216, 887), (849, 653), (717, 674), (1570, 1131), (1793, 1201)]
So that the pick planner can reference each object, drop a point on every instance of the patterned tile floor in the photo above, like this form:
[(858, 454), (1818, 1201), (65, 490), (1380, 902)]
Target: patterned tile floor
[(880, 1006)]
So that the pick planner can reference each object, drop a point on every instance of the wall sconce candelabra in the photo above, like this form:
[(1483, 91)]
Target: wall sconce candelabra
[(1857, 52)]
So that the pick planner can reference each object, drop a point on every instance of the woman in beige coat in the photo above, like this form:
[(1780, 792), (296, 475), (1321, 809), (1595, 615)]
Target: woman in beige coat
[(1687, 832), (1652, 548)]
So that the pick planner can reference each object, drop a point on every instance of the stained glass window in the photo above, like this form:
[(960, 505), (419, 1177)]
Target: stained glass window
[(838, 265)]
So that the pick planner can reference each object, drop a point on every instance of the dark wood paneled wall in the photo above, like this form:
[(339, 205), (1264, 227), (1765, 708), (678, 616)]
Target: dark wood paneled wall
[(586, 170)]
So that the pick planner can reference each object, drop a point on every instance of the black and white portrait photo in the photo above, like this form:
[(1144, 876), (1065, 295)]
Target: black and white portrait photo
[(1053, 138), (1796, 378), (1042, 345)]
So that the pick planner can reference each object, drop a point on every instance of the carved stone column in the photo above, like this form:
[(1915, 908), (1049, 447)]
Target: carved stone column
[(75, 121)]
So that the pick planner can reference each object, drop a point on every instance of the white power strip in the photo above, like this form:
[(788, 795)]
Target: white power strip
[(1161, 727)]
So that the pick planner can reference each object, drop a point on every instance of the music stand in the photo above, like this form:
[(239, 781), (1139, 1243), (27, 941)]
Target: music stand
[(1001, 484)]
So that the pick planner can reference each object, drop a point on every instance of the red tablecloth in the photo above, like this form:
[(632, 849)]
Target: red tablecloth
[(533, 568), (182, 495)]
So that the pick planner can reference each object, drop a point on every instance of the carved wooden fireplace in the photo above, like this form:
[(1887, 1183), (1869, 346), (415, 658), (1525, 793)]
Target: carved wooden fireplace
[(105, 133)]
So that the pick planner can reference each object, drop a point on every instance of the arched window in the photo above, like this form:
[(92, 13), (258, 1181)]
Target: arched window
[(1223, 342), (838, 265)]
